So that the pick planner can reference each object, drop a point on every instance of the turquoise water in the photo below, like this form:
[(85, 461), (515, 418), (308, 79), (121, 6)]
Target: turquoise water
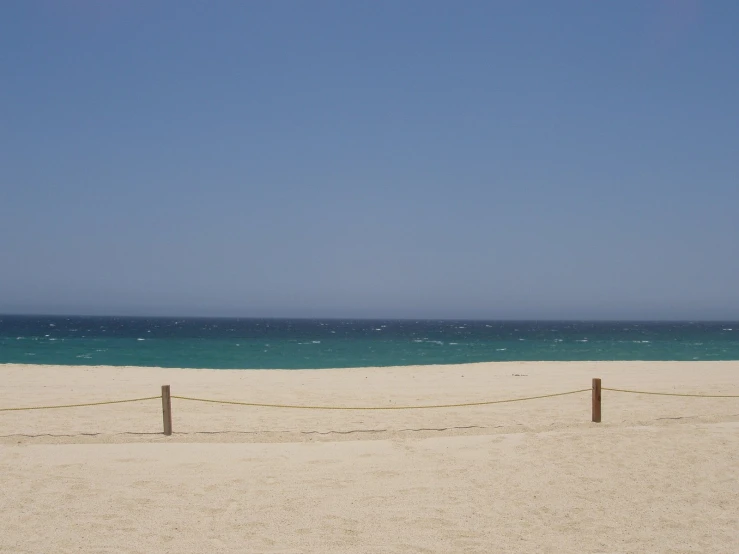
[(297, 344)]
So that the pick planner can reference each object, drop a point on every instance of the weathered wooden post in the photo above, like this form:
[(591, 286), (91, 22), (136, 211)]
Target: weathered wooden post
[(596, 400), (167, 410)]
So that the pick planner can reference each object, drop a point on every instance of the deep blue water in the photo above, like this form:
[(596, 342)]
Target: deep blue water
[(299, 343)]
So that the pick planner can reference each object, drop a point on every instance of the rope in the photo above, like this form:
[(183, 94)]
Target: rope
[(299, 407), (675, 393), (78, 405)]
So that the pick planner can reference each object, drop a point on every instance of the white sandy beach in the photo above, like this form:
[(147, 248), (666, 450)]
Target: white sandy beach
[(660, 474)]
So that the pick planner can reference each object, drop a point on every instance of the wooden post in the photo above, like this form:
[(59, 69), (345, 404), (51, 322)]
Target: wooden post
[(596, 400), (167, 410)]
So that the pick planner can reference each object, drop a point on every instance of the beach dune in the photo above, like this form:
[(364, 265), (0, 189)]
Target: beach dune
[(659, 474)]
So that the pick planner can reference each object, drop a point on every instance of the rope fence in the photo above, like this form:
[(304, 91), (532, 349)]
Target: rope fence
[(298, 407), (166, 398)]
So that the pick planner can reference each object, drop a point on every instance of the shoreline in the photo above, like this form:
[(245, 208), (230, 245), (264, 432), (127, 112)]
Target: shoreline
[(383, 367)]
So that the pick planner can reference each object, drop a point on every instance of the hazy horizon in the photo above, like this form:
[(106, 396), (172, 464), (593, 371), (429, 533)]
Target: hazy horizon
[(337, 318)]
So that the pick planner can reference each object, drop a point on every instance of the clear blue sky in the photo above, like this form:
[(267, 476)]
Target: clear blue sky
[(529, 159)]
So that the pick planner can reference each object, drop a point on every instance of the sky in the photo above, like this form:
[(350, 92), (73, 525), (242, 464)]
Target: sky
[(386, 159)]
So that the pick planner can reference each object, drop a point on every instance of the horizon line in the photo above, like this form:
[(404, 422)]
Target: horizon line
[(335, 318)]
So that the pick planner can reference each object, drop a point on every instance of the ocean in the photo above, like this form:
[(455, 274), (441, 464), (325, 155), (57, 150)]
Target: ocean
[(315, 344)]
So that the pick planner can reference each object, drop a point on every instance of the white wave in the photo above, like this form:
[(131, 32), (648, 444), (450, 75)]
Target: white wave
[(140, 339), (500, 349)]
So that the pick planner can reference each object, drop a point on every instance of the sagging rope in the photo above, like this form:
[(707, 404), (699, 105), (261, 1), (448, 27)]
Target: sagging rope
[(674, 393), (80, 405), (301, 407)]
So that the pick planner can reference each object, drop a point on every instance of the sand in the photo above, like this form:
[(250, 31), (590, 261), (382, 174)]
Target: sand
[(659, 474)]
